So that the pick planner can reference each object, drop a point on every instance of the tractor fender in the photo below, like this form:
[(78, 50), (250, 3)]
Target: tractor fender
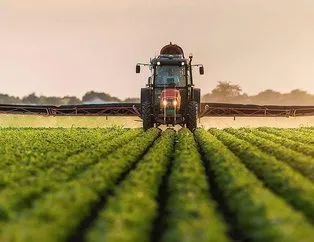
[(146, 95), (197, 97)]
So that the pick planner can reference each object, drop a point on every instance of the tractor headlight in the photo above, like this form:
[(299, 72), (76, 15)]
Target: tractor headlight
[(175, 103), (165, 102)]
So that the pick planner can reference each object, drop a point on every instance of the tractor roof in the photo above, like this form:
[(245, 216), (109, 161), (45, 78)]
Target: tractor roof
[(172, 49), (170, 55)]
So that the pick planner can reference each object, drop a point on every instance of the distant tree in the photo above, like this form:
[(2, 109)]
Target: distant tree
[(243, 98), (226, 89), (224, 92), (6, 99), (70, 100), (49, 100), (30, 99), (132, 100), (298, 97), (267, 97), (101, 95)]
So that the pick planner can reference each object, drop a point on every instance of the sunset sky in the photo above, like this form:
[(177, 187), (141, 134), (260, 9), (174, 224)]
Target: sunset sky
[(68, 47)]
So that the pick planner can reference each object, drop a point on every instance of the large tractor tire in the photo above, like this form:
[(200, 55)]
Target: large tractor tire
[(147, 115), (197, 98), (191, 122), (146, 108)]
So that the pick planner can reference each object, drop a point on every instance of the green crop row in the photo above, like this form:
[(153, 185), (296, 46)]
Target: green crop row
[(261, 215), (306, 130), (52, 182), (307, 133), (130, 213), (29, 146), (39, 161), (303, 148), (300, 162), (20, 195), (191, 213), (58, 214), (280, 177), (293, 134), (41, 149)]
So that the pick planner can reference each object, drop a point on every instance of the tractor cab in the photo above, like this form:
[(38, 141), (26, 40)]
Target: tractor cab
[(170, 97), (170, 75)]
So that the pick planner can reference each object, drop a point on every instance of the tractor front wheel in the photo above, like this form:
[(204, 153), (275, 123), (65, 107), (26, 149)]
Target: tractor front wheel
[(191, 122), (147, 116)]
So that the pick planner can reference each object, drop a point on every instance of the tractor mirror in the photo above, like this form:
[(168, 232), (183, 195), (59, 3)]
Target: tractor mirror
[(201, 70), (138, 69)]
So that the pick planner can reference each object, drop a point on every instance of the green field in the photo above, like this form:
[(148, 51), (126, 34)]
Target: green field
[(119, 184)]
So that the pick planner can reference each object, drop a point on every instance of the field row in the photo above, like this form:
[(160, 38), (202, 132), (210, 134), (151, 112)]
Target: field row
[(119, 184)]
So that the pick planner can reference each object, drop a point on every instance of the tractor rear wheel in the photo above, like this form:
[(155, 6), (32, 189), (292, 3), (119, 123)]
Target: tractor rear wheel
[(191, 122), (147, 115)]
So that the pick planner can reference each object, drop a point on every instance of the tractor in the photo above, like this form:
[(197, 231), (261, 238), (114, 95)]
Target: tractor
[(170, 97)]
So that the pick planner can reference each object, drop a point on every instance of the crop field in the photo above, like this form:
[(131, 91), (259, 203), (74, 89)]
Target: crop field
[(124, 184)]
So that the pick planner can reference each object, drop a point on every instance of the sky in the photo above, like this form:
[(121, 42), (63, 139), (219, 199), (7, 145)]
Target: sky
[(69, 47)]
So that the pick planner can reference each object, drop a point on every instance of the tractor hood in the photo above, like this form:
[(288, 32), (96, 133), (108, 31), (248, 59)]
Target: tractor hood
[(170, 97)]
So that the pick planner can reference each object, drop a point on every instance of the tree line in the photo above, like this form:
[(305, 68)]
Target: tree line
[(89, 97), (224, 92)]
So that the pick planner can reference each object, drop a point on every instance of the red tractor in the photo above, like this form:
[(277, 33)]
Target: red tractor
[(170, 97)]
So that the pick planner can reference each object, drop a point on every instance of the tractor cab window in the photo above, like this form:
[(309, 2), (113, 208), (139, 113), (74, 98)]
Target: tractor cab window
[(167, 76)]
